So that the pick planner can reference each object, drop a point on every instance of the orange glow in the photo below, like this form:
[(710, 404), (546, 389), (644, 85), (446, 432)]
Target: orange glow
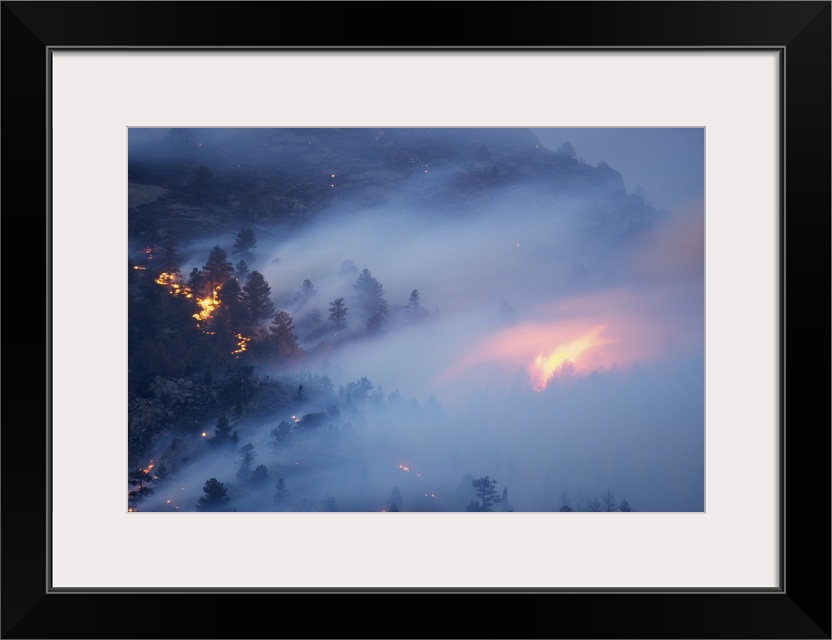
[(612, 328), (138, 268), (174, 284), (242, 343), (208, 305), (542, 349), (544, 367), (404, 467)]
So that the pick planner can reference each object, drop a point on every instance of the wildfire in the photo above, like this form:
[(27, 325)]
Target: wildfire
[(208, 304), (242, 344), (544, 367), (174, 284)]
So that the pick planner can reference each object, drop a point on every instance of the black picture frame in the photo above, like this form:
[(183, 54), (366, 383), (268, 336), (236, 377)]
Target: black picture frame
[(799, 31)]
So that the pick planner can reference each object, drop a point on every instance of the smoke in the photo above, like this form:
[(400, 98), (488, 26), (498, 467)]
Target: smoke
[(547, 355)]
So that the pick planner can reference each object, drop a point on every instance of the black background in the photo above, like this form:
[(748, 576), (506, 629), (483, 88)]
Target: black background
[(800, 609)]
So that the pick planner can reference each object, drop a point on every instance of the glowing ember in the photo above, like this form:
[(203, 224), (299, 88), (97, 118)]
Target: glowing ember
[(129, 509), (404, 467), (174, 284), (545, 367), (139, 268), (242, 343), (204, 434), (208, 305)]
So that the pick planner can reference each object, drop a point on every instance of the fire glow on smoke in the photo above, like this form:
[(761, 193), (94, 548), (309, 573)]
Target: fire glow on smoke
[(544, 367)]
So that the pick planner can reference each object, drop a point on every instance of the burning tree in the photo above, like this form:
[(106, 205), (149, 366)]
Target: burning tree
[(487, 494), (139, 479)]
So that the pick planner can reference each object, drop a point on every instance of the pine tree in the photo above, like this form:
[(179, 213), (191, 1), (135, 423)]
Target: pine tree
[(218, 269), (485, 491), (241, 270), (232, 308), (196, 281), (370, 294), (284, 340), (338, 313), (139, 478), (259, 475), (244, 244), (280, 490), (247, 456), (214, 496), (306, 291), (223, 435), (169, 256), (413, 304), (257, 299)]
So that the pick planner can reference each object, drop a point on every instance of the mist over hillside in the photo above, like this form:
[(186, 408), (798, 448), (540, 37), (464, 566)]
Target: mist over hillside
[(407, 320)]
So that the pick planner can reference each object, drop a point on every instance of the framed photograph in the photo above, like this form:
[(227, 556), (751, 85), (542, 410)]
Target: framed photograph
[(537, 292)]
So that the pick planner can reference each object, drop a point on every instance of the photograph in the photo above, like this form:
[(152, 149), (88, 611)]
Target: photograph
[(545, 280), (416, 319)]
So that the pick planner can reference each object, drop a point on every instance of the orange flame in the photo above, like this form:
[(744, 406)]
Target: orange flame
[(544, 367), (174, 284), (208, 304), (242, 344)]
